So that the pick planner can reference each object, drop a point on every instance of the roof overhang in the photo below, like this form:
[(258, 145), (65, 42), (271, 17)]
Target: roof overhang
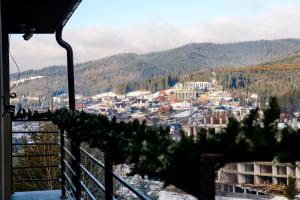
[(41, 16)]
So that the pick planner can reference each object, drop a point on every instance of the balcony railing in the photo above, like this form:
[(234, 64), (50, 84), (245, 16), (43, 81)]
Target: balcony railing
[(35, 156), (48, 164)]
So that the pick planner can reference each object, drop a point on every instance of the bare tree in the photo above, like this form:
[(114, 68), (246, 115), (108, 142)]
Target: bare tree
[(36, 161)]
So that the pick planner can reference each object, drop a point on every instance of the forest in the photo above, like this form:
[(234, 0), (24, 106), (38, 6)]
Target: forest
[(278, 80), (271, 68)]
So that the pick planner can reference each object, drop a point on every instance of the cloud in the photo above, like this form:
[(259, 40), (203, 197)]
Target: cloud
[(97, 41)]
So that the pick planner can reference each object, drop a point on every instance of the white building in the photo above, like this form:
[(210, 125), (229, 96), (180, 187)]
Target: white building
[(198, 85), (140, 102), (181, 105), (185, 94)]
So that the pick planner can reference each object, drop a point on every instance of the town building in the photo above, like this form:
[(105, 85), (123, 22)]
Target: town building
[(198, 85), (251, 174), (183, 94)]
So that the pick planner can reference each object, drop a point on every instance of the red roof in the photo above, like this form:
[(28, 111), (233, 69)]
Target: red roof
[(78, 106), (283, 115), (165, 108), (163, 92)]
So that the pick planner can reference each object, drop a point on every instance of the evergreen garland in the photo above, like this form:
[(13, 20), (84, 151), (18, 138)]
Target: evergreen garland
[(152, 152)]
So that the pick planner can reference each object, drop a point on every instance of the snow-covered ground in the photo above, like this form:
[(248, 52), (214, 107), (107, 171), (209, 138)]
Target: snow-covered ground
[(25, 79), (138, 93), (166, 195), (106, 94), (279, 198), (283, 198)]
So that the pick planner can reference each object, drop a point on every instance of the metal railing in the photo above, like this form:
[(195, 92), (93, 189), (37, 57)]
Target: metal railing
[(110, 176), (91, 178), (35, 156)]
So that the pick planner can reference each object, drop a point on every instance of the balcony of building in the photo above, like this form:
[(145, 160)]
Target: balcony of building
[(44, 166)]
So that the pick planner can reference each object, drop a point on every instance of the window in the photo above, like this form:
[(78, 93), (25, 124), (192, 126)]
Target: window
[(266, 169), (232, 178), (249, 179), (249, 167), (282, 181), (281, 170)]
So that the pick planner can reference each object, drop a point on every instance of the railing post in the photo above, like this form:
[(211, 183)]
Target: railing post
[(207, 182), (207, 172), (75, 151), (62, 164), (108, 169), (11, 160)]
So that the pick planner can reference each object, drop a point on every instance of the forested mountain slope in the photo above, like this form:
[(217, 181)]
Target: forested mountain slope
[(117, 71), (279, 80)]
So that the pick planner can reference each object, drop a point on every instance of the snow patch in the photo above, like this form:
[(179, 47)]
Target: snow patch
[(25, 79)]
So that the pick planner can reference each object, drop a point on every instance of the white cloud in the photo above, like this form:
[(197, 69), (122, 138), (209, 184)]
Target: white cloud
[(96, 42)]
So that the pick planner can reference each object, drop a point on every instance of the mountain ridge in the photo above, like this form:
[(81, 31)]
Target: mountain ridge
[(158, 52), (104, 74)]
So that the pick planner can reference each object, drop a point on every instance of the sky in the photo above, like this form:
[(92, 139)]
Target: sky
[(101, 28)]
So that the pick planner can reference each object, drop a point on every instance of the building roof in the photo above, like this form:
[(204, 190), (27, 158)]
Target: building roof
[(43, 16), (183, 114), (222, 107)]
